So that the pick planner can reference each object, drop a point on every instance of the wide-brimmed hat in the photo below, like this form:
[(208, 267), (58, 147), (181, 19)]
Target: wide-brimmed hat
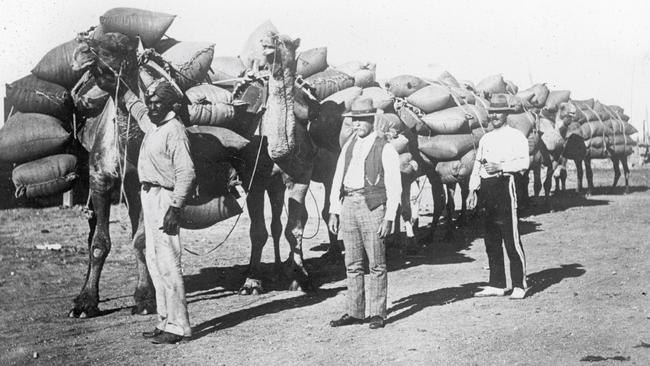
[(361, 107), (499, 104)]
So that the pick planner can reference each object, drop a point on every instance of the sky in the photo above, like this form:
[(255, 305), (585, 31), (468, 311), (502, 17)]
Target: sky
[(597, 49)]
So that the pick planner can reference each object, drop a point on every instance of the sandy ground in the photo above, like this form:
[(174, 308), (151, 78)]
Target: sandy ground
[(587, 264)]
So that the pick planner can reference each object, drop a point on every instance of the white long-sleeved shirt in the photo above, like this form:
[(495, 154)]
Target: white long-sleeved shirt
[(506, 146), (356, 174)]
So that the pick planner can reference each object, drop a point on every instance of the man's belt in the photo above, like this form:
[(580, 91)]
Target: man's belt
[(353, 191), (146, 186)]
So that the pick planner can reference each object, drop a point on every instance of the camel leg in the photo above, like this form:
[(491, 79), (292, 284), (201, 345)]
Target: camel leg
[(451, 208), (617, 172), (537, 180), (276, 197), (258, 236), (86, 303), (590, 177), (145, 294), (626, 174), (522, 181), (579, 173), (335, 250), (407, 214), (439, 204), (464, 193), (294, 235)]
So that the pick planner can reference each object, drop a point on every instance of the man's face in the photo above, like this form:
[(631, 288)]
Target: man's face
[(363, 125), (500, 120), (157, 109)]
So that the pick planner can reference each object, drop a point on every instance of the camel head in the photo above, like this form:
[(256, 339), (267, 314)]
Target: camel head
[(565, 114), (106, 57), (280, 53)]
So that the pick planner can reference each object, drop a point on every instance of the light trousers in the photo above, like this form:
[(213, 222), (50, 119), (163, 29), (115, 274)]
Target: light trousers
[(358, 231), (163, 255)]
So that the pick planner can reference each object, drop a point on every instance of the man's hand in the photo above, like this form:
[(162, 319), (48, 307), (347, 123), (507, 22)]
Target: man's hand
[(385, 228), (492, 168), (172, 221), (471, 200), (333, 224)]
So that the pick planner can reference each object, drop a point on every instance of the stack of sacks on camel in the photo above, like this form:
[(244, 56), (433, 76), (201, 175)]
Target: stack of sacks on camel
[(446, 118), (604, 128)]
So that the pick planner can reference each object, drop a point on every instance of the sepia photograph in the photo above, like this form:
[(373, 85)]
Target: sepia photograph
[(324, 183)]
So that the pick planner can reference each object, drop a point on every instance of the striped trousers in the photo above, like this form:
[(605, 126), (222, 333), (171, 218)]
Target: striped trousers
[(499, 197), (358, 231)]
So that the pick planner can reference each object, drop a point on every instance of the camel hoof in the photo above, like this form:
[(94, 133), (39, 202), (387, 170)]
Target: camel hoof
[(144, 307), (71, 314), (251, 287), (89, 312), (295, 286)]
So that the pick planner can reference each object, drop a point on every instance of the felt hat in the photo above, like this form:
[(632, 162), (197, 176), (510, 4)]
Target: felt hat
[(499, 104), (361, 107)]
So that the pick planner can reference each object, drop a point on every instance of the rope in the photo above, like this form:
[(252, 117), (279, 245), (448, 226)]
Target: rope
[(319, 215), (602, 123)]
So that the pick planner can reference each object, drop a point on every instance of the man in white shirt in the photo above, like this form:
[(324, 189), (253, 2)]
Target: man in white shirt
[(366, 192), (501, 153)]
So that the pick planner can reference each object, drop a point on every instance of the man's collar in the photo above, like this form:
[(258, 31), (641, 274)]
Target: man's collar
[(372, 135)]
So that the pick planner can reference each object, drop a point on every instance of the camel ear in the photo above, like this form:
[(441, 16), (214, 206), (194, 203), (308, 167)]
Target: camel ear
[(296, 43)]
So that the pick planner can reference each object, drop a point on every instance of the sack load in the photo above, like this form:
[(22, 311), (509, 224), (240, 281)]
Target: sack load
[(448, 79), (190, 61), (448, 147), (491, 85), (431, 98), (589, 115), (592, 129), (454, 120), (30, 136), (407, 165), (597, 152), (533, 142), (620, 127), (389, 123), (455, 171), (546, 125), (311, 62), (228, 138), (252, 52), (364, 78), (574, 147), (87, 97), (618, 112), (535, 96), (201, 213), (555, 98), (211, 105), (552, 140), (381, 99), (56, 65), (352, 67), (511, 87), (32, 95), (329, 82), (45, 177), (583, 104), (345, 96), (620, 149), (524, 122), (403, 86), (225, 67), (148, 25), (400, 143)]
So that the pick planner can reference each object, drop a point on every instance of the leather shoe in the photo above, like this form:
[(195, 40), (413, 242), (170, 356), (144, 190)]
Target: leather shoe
[(169, 338), (345, 320), (377, 322), (152, 334)]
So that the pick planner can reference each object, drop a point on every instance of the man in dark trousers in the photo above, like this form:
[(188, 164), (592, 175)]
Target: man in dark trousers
[(167, 176), (501, 153), (366, 192)]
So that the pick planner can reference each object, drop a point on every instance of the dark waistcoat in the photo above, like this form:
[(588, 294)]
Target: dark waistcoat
[(374, 188)]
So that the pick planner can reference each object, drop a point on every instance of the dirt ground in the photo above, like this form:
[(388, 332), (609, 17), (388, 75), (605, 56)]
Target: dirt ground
[(587, 264)]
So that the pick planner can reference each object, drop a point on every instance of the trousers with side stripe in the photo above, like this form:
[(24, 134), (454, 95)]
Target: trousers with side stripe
[(499, 197)]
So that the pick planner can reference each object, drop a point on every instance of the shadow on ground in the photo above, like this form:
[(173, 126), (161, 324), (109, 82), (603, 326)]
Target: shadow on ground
[(537, 282), (237, 317)]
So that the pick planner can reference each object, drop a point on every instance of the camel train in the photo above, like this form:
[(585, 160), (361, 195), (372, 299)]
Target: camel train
[(284, 155)]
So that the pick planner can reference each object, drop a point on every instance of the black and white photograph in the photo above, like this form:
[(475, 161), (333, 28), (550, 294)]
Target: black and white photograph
[(324, 183)]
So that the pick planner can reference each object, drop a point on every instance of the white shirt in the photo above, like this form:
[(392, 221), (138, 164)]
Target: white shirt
[(507, 146), (356, 174)]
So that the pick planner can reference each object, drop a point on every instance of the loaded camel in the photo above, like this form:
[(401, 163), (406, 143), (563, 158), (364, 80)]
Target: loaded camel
[(114, 153)]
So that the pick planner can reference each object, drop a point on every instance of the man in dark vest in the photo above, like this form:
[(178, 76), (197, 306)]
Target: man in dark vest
[(366, 193)]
